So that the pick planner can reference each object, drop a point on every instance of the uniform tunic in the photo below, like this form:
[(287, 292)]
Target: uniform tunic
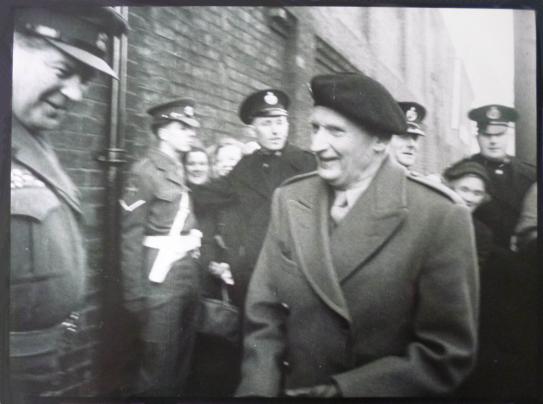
[(168, 310), (47, 260), (385, 305)]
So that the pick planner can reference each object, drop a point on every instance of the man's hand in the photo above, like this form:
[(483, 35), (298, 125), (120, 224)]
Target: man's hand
[(320, 390)]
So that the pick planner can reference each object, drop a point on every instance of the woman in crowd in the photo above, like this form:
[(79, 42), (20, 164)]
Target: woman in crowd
[(216, 361)]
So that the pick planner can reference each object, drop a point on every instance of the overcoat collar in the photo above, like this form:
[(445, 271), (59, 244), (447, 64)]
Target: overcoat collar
[(327, 260), (38, 156), (374, 218), (166, 163), (309, 224)]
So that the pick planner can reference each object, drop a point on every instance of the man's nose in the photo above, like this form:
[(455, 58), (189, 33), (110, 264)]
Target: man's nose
[(73, 88), (318, 142)]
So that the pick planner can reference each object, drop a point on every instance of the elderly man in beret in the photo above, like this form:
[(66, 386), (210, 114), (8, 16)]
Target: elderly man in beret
[(358, 291), (56, 53)]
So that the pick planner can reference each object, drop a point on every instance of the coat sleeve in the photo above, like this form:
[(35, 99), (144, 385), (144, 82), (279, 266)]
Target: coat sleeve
[(134, 208), (444, 342), (216, 193), (264, 342)]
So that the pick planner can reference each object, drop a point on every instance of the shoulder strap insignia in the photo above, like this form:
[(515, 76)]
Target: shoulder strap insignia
[(24, 178), (434, 185)]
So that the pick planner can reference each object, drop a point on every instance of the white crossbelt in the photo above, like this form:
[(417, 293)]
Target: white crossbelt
[(173, 242)]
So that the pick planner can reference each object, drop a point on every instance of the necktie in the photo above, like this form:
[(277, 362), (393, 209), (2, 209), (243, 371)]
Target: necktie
[(340, 207)]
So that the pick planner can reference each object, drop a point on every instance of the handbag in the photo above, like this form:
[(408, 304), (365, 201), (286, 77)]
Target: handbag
[(220, 318)]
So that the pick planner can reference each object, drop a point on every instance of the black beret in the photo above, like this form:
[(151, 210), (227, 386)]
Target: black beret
[(494, 114), (81, 32), (269, 102), (361, 99), (465, 167), (414, 115), (177, 110)]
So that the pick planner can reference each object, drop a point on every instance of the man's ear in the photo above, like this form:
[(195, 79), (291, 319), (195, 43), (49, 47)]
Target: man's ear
[(380, 144)]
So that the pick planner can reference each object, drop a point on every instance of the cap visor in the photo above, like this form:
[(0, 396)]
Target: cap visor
[(495, 129), (84, 57), (189, 121)]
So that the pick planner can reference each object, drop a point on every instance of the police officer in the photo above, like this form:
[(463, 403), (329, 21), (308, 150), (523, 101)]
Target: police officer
[(56, 53), (159, 241), (250, 185), (506, 365), (510, 177), (404, 147)]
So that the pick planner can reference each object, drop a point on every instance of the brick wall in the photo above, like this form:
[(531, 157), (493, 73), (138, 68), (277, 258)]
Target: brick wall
[(218, 55)]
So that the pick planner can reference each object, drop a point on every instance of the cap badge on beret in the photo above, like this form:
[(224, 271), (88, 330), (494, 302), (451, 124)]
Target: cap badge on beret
[(188, 110), (411, 114), (493, 113), (270, 98)]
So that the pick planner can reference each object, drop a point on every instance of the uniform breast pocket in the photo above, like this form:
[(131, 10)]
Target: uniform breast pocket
[(164, 206), (33, 210)]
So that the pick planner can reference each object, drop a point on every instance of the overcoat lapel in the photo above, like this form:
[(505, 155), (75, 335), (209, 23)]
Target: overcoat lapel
[(164, 162), (41, 159), (309, 225), (374, 218)]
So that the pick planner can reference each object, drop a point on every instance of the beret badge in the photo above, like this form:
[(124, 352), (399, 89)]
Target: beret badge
[(188, 110), (270, 98)]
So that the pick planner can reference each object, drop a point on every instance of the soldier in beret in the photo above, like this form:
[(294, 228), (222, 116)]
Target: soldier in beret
[(404, 147), (159, 239), (506, 366), (56, 53), (358, 292)]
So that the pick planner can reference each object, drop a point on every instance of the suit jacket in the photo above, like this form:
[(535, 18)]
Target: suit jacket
[(385, 305), (246, 192), (48, 258)]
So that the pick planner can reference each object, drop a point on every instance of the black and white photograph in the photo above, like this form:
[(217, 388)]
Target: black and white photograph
[(256, 201)]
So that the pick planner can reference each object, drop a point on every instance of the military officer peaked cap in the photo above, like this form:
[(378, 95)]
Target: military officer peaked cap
[(269, 102), (83, 33), (493, 119), (414, 115), (466, 167), (361, 99), (181, 110)]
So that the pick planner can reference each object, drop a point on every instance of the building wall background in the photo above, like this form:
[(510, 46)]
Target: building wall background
[(218, 55)]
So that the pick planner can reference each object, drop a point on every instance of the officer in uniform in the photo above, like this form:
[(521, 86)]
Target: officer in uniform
[(507, 348), (250, 185), (56, 52), (159, 242), (358, 292), (405, 146)]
